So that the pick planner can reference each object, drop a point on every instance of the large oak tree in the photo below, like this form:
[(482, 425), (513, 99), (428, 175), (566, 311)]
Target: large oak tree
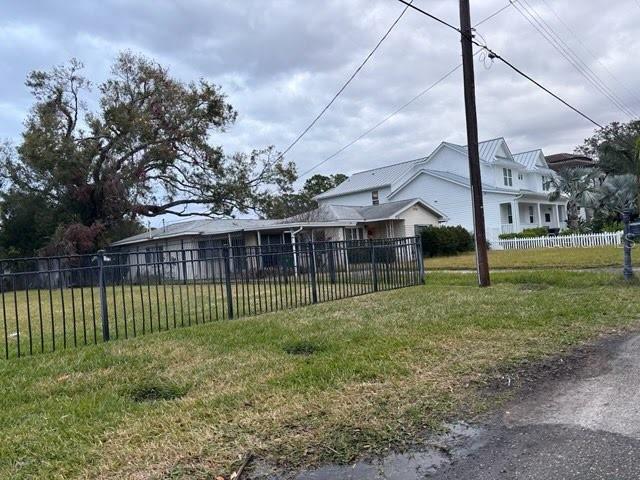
[(149, 147)]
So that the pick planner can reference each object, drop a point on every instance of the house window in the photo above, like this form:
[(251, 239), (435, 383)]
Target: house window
[(520, 176), (507, 177), (547, 217), (374, 198), (153, 254), (354, 233), (545, 184), (531, 214), (509, 214)]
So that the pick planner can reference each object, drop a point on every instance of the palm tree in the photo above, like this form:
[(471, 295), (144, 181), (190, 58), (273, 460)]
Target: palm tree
[(575, 184), (621, 157), (616, 194)]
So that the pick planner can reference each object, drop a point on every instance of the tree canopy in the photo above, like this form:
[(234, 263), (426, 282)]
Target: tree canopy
[(616, 148), (302, 201), (149, 147)]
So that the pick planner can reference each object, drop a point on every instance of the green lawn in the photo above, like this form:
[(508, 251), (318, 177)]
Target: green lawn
[(37, 321), (297, 387), (576, 258)]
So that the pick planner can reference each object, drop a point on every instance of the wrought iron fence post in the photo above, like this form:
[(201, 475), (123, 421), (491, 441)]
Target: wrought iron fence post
[(373, 266), (184, 262), (627, 271), (332, 262), (420, 259), (312, 272), (104, 312), (227, 280)]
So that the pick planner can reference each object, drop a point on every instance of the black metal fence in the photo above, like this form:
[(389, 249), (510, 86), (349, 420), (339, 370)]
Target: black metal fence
[(57, 303)]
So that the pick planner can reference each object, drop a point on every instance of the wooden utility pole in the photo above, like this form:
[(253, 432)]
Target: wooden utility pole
[(482, 261)]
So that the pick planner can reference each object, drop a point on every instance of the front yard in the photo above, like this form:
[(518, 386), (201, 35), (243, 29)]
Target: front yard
[(573, 258), (327, 382)]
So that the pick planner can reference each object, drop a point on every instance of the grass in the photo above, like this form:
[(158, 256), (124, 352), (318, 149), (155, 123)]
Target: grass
[(37, 321), (575, 258), (323, 383)]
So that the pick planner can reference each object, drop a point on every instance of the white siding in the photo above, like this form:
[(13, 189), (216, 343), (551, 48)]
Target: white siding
[(359, 199), (455, 202), (416, 215), (449, 160)]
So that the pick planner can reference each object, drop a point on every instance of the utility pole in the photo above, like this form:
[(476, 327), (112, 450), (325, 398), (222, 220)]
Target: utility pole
[(482, 261)]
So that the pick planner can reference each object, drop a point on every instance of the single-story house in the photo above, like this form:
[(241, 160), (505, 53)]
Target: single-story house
[(180, 248)]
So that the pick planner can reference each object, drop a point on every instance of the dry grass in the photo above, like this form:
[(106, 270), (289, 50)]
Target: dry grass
[(327, 382), (575, 258)]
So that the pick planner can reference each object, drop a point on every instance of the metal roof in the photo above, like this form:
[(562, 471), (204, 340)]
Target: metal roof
[(528, 159), (368, 179), (208, 226), (390, 174), (340, 213)]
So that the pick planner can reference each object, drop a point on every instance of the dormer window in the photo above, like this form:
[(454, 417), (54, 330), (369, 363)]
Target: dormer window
[(507, 177), (374, 198)]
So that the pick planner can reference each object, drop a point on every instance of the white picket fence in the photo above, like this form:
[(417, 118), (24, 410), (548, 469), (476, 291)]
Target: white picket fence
[(564, 241)]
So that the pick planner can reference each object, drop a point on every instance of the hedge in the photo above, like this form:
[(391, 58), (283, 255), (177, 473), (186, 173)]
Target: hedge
[(441, 241), (526, 233)]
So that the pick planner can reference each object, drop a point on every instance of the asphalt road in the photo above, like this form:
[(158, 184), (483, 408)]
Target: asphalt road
[(575, 418), (586, 427)]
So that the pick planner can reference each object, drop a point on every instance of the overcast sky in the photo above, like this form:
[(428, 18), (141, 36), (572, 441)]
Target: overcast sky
[(280, 61)]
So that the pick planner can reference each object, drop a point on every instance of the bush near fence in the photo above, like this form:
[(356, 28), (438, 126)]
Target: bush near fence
[(445, 240)]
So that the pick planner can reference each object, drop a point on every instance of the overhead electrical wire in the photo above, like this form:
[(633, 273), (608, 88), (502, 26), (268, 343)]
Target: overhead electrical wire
[(403, 106), (384, 120), (346, 84), (531, 15), (590, 52), (494, 55)]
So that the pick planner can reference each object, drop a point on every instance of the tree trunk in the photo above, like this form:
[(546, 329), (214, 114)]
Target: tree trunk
[(573, 215)]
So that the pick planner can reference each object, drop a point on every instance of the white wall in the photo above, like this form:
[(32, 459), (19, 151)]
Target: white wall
[(357, 199), (416, 215)]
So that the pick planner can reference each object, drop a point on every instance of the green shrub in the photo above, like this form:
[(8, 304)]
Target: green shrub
[(440, 241), (526, 233)]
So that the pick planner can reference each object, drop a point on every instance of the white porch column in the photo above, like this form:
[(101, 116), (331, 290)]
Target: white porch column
[(515, 212), (539, 215), (558, 215)]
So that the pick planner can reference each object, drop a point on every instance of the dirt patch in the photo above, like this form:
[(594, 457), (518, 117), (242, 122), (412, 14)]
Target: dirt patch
[(156, 391), (526, 376)]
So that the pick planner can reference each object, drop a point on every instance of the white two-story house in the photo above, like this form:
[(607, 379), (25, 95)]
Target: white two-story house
[(515, 188)]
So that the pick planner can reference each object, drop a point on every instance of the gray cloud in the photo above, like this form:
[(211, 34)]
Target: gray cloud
[(280, 61)]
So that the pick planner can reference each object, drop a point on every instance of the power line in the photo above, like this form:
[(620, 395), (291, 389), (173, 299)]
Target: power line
[(405, 105), (557, 42), (486, 19), (590, 52), (384, 120), (344, 86), (494, 55)]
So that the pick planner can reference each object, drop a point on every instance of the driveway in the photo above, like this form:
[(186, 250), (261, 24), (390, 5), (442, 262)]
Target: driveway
[(586, 426)]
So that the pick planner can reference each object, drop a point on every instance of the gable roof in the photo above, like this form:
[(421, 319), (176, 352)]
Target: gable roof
[(340, 213), (395, 173), (368, 179), (449, 177), (528, 159), (208, 226)]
